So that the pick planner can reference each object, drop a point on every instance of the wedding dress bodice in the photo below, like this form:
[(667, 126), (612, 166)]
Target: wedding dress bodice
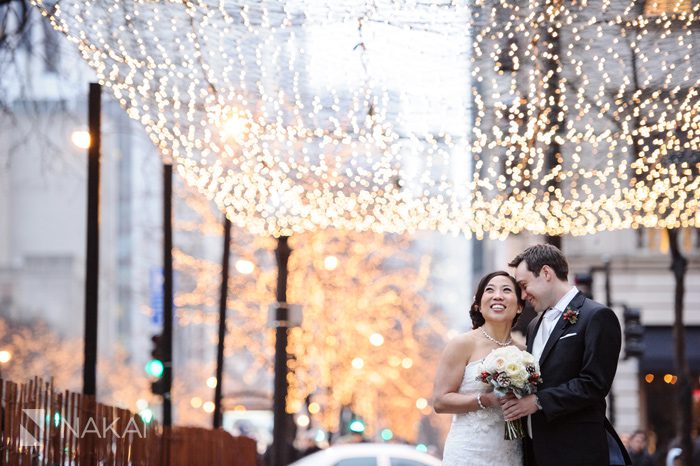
[(476, 437)]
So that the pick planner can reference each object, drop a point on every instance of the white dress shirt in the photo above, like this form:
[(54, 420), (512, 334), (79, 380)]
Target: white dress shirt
[(549, 321)]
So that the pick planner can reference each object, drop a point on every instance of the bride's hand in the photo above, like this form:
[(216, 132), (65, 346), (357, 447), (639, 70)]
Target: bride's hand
[(502, 400), (490, 400)]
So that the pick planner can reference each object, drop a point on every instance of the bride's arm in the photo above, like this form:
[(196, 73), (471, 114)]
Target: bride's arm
[(448, 378)]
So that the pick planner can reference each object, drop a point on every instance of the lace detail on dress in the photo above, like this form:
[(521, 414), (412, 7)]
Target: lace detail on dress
[(476, 437), (480, 421)]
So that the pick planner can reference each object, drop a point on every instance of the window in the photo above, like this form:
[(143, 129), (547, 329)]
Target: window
[(656, 239), (49, 263), (366, 461), (406, 462)]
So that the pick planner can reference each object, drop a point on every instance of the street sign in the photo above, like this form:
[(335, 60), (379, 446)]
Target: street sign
[(155, 292), (289, 315), (155, 287)]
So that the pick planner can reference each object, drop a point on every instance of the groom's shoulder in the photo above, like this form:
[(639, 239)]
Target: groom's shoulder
[(594, 308), (592, 305)]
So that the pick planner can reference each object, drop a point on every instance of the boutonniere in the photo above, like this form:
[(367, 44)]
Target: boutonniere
[(570, 315)]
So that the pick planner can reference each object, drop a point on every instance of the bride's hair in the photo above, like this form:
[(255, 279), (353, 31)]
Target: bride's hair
[(475, 313)]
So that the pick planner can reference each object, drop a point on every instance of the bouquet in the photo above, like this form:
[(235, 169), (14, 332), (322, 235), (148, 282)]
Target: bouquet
[(511, 370)]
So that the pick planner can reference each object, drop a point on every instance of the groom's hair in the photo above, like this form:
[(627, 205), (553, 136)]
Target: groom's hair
[(538, 256)]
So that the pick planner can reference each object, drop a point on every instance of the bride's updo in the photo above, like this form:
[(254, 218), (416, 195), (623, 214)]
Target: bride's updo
[(475, 313)]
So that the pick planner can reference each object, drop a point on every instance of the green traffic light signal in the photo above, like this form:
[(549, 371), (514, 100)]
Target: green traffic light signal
[(155, 368), (387, 435), (357, 426), (146, 415)]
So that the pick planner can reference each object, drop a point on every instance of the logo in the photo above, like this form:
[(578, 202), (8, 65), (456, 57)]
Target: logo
[(37, 417), (35, 422)]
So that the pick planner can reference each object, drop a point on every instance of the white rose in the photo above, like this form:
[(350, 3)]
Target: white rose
[(512, 369), (528, 358), (519, 378)]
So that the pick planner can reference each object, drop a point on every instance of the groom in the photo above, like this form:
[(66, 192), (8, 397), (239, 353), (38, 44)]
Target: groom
[(577, 342)]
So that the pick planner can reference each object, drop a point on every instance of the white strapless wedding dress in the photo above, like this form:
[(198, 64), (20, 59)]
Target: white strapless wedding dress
[(476, 438)]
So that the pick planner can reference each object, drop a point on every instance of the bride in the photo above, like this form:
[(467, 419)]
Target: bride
[(476, 434)]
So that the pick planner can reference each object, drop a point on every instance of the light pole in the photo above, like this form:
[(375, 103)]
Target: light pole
[(223, 297), (281, 322), (92, 265)]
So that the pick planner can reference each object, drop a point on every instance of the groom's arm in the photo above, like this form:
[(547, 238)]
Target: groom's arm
[(602, 343)]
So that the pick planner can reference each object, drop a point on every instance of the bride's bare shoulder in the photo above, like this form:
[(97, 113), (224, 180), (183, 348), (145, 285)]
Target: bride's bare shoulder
[(464, 341)]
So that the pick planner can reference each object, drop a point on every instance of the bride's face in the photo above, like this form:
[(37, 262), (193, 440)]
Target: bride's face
[(500, 300)]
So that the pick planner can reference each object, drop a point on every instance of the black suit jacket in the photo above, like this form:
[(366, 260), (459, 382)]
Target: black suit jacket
[(578, 365)]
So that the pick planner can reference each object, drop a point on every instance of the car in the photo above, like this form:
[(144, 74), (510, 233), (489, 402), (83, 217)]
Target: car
[(369, 454)]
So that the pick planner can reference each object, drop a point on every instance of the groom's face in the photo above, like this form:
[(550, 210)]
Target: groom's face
[(536, 290)]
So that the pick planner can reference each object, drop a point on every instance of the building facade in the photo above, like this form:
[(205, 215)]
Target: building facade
[(43, 204)]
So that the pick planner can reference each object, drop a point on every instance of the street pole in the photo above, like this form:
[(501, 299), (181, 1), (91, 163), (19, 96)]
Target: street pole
[(167, 307), (679, 266), (92, 267), (279, 430), (92, 256), (223, 297)]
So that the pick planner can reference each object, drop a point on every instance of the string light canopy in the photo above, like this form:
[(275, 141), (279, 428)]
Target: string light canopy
[(486, 117)]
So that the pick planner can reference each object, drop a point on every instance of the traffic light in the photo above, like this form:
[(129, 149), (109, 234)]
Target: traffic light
[(634, 332), (158, 347), (584, 282), (146, 415), (156, 366), (357, 426), (158, 387)]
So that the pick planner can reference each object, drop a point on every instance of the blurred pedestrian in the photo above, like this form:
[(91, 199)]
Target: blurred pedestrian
[(637, 448), (625, 439)]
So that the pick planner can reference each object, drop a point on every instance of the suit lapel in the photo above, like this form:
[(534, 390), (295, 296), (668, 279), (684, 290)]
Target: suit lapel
[(532, 331), (560, 327)]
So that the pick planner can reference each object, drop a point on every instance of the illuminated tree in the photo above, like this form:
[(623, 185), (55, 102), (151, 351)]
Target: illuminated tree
[(369, 337), (38, 351)]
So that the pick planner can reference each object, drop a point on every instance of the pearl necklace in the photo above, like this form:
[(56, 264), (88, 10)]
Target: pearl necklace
[(489, 337)]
